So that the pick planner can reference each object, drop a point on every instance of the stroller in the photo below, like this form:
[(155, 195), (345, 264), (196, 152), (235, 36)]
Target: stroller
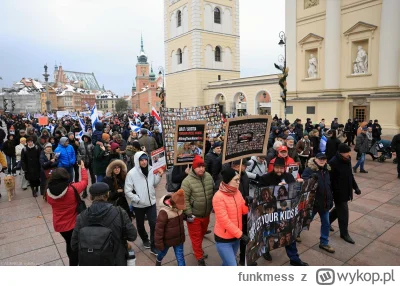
[(384, 148)]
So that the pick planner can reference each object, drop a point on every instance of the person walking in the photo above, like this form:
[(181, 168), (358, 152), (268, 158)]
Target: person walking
[(362, 147), (213, 162), (61, 195), (199, 189), (31, 165), (376, 130), (18, 152), (348, 130), (9, 150), (48, 161), (332, 144), (66, 157), (303, 148), (343, 184), (230, 207)]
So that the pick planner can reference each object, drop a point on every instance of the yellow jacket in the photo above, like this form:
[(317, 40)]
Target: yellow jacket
[(3, 161)]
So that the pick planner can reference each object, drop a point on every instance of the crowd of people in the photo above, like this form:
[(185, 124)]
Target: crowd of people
[(52, 160)]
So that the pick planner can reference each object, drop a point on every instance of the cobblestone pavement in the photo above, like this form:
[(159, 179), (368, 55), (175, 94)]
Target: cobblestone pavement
[(27, 236)]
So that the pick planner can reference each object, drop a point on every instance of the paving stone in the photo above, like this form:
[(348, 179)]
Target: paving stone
[(316, 258), (391, 236), (22, 234), (17, 202), (35, 257), (62, 250), (380, 196), (387, 212), (395, 201), (370, 227), (363, 206), (20, 224), (57, 262), (20, 215), (26, 245), (377, 253)]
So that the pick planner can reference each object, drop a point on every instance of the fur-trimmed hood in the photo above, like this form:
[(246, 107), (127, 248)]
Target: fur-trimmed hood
[(313, 166), (115, 163)]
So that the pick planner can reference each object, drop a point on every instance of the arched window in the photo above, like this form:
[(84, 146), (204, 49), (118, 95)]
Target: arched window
[(179, 19), (217, 54), (217, 16), (179, 54)]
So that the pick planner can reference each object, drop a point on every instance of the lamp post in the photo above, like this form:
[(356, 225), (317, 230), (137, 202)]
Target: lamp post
[(162, 93), (283, 69), (46, 78)]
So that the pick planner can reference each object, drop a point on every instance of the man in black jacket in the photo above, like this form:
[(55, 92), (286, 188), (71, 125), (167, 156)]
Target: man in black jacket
[(104, 213), (396, 148), (376, 130), (343, 184), (213, 162), (274, 178)]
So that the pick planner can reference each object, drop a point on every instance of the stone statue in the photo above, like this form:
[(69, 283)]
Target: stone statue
[(310, 3), (361, 62), (312, 67)]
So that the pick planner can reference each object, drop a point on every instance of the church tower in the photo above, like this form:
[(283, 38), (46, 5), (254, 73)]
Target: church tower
[(202, 44), (142, 69)]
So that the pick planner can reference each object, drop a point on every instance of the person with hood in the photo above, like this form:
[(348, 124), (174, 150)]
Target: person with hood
[(61, 128), (9, 150), (61, 197), (323, 198), (303, 148), (101, 157), (31, 165), (158, 136), (48, 161), (362, 147), (169, 230), (230, 207), (130, 153), (275, 177), (332, 144), (31, 132), (18, 152), (140, 191), (43, 138), (199, 190), (343, 184), (98, 132), (66, 156), (85, 152), (213, 162), (115, 179)]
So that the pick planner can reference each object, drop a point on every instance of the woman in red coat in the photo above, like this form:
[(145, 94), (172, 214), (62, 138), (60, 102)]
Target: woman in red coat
[(61, 197)]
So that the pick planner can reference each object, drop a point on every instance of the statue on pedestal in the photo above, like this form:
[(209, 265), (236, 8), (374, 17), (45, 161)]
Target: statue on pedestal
[(312, 67), (361, 62)]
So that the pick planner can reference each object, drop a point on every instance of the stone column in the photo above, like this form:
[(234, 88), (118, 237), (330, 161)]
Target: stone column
[(290, 31), (332, 45), (389, 44)]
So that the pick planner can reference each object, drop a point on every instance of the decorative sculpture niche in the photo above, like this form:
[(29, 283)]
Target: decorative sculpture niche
[(360, 65)]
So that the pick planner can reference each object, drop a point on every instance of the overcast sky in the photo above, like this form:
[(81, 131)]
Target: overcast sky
[(103, 36)]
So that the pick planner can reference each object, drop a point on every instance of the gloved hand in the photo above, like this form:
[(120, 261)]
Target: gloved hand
[(190, 218), (357, 191), (245, 239), (248, 200)]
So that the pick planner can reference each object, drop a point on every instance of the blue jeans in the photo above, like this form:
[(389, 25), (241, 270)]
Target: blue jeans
[(11, 166), (227, 251), (325, 225), (71, 173), (292, 253), (180, 257), (360, 162)]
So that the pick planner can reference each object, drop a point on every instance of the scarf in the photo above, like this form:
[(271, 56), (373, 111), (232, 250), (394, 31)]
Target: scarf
[(225, 188), (48, 154)]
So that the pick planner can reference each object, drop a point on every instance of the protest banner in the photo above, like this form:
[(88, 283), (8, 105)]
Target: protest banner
[(158, 160), (246, 137), (190, 140), (277, 216), (43, 121), (210, 113)]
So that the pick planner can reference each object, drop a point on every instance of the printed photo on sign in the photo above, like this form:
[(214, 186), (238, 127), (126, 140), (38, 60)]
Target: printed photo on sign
[(281, 192), (190, 141), (293, 169), (158, 160)]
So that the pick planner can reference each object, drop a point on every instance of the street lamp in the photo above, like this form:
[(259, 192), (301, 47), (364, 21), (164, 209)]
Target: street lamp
[(162, 93), (46, 78), (283, 69)]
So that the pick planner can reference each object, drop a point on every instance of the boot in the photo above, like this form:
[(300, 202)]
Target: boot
[(201, 262), (158, 263), (347, 238), (34, 192)]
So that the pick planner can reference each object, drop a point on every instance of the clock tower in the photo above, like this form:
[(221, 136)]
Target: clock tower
[(142, 69)]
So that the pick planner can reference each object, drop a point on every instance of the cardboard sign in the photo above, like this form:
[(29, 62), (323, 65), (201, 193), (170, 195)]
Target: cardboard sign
[(246, 137), (190, 140), (43, 120), (158, 160)]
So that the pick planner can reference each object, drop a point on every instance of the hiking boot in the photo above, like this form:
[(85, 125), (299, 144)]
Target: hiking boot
[(158, 263), (146, 244), (201, 262), (267, 256), (363, 171), (354, 170), (298, 263), (154, 251), (347, 238), (327, 248)]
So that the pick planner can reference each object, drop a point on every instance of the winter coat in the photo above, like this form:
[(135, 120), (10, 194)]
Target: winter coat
[(9, 147), (62, 130), (292, 152), (198, 194), (362, 145), (213, 164), (342, 179), (303, 148), (67, 156), (396, 144), (149, 143), (116, 198), (100, 160), (314, 142), (169, 229), (31, 164), (178, 174), (139, 189), (46, 163), (64, 203), (159, 139), (18, 151), (85, 150), (256, 168), (229, 209), (376, 131), (288, 161), (298, 129), (271, 154), (3, 161), (104, 213), (323, 198), (332, 145)]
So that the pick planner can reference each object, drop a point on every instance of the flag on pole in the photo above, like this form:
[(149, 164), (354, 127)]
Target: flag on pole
[(94, 116), (157, 118), (28, 116), (87, 106), (82, 124)]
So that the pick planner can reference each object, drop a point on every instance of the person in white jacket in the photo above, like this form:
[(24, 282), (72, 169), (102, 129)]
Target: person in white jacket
[(18, 150), (257, 168), (140, 192)]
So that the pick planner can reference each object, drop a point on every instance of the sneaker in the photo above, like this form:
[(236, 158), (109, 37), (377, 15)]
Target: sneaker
[(146, 244), (363, 171), (267, 256), (154, 251), (327, 248), (158, 263), (201, 262), (354, 170)]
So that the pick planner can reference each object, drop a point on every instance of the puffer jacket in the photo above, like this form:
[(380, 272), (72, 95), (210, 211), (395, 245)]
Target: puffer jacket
[(198, 194), (362, 145), (85, 150), (229, 209), (18, 151), (323, 197), (63, 202), (67, 156), (169, 229), (139, 189)]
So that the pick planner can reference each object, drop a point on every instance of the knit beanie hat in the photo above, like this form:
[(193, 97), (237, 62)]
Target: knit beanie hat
[(290, 138), (47, 145), (98, 189), (71, 133), (144, 157), (343, 148), (114, 146), (197, 162), (216, 144), (178, 199), (305, 133), (279, 162), (105, 137), (63, 140), (228, 174)]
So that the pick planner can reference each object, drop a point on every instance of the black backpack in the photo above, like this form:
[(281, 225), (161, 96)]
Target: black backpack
[(170, 186), (98, 246)]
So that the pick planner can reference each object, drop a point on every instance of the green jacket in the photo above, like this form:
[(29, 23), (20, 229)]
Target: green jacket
[(198, 194), (100, 161)]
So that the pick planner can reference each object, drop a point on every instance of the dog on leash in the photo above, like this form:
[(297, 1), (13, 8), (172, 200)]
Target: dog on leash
[(9, 182)]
